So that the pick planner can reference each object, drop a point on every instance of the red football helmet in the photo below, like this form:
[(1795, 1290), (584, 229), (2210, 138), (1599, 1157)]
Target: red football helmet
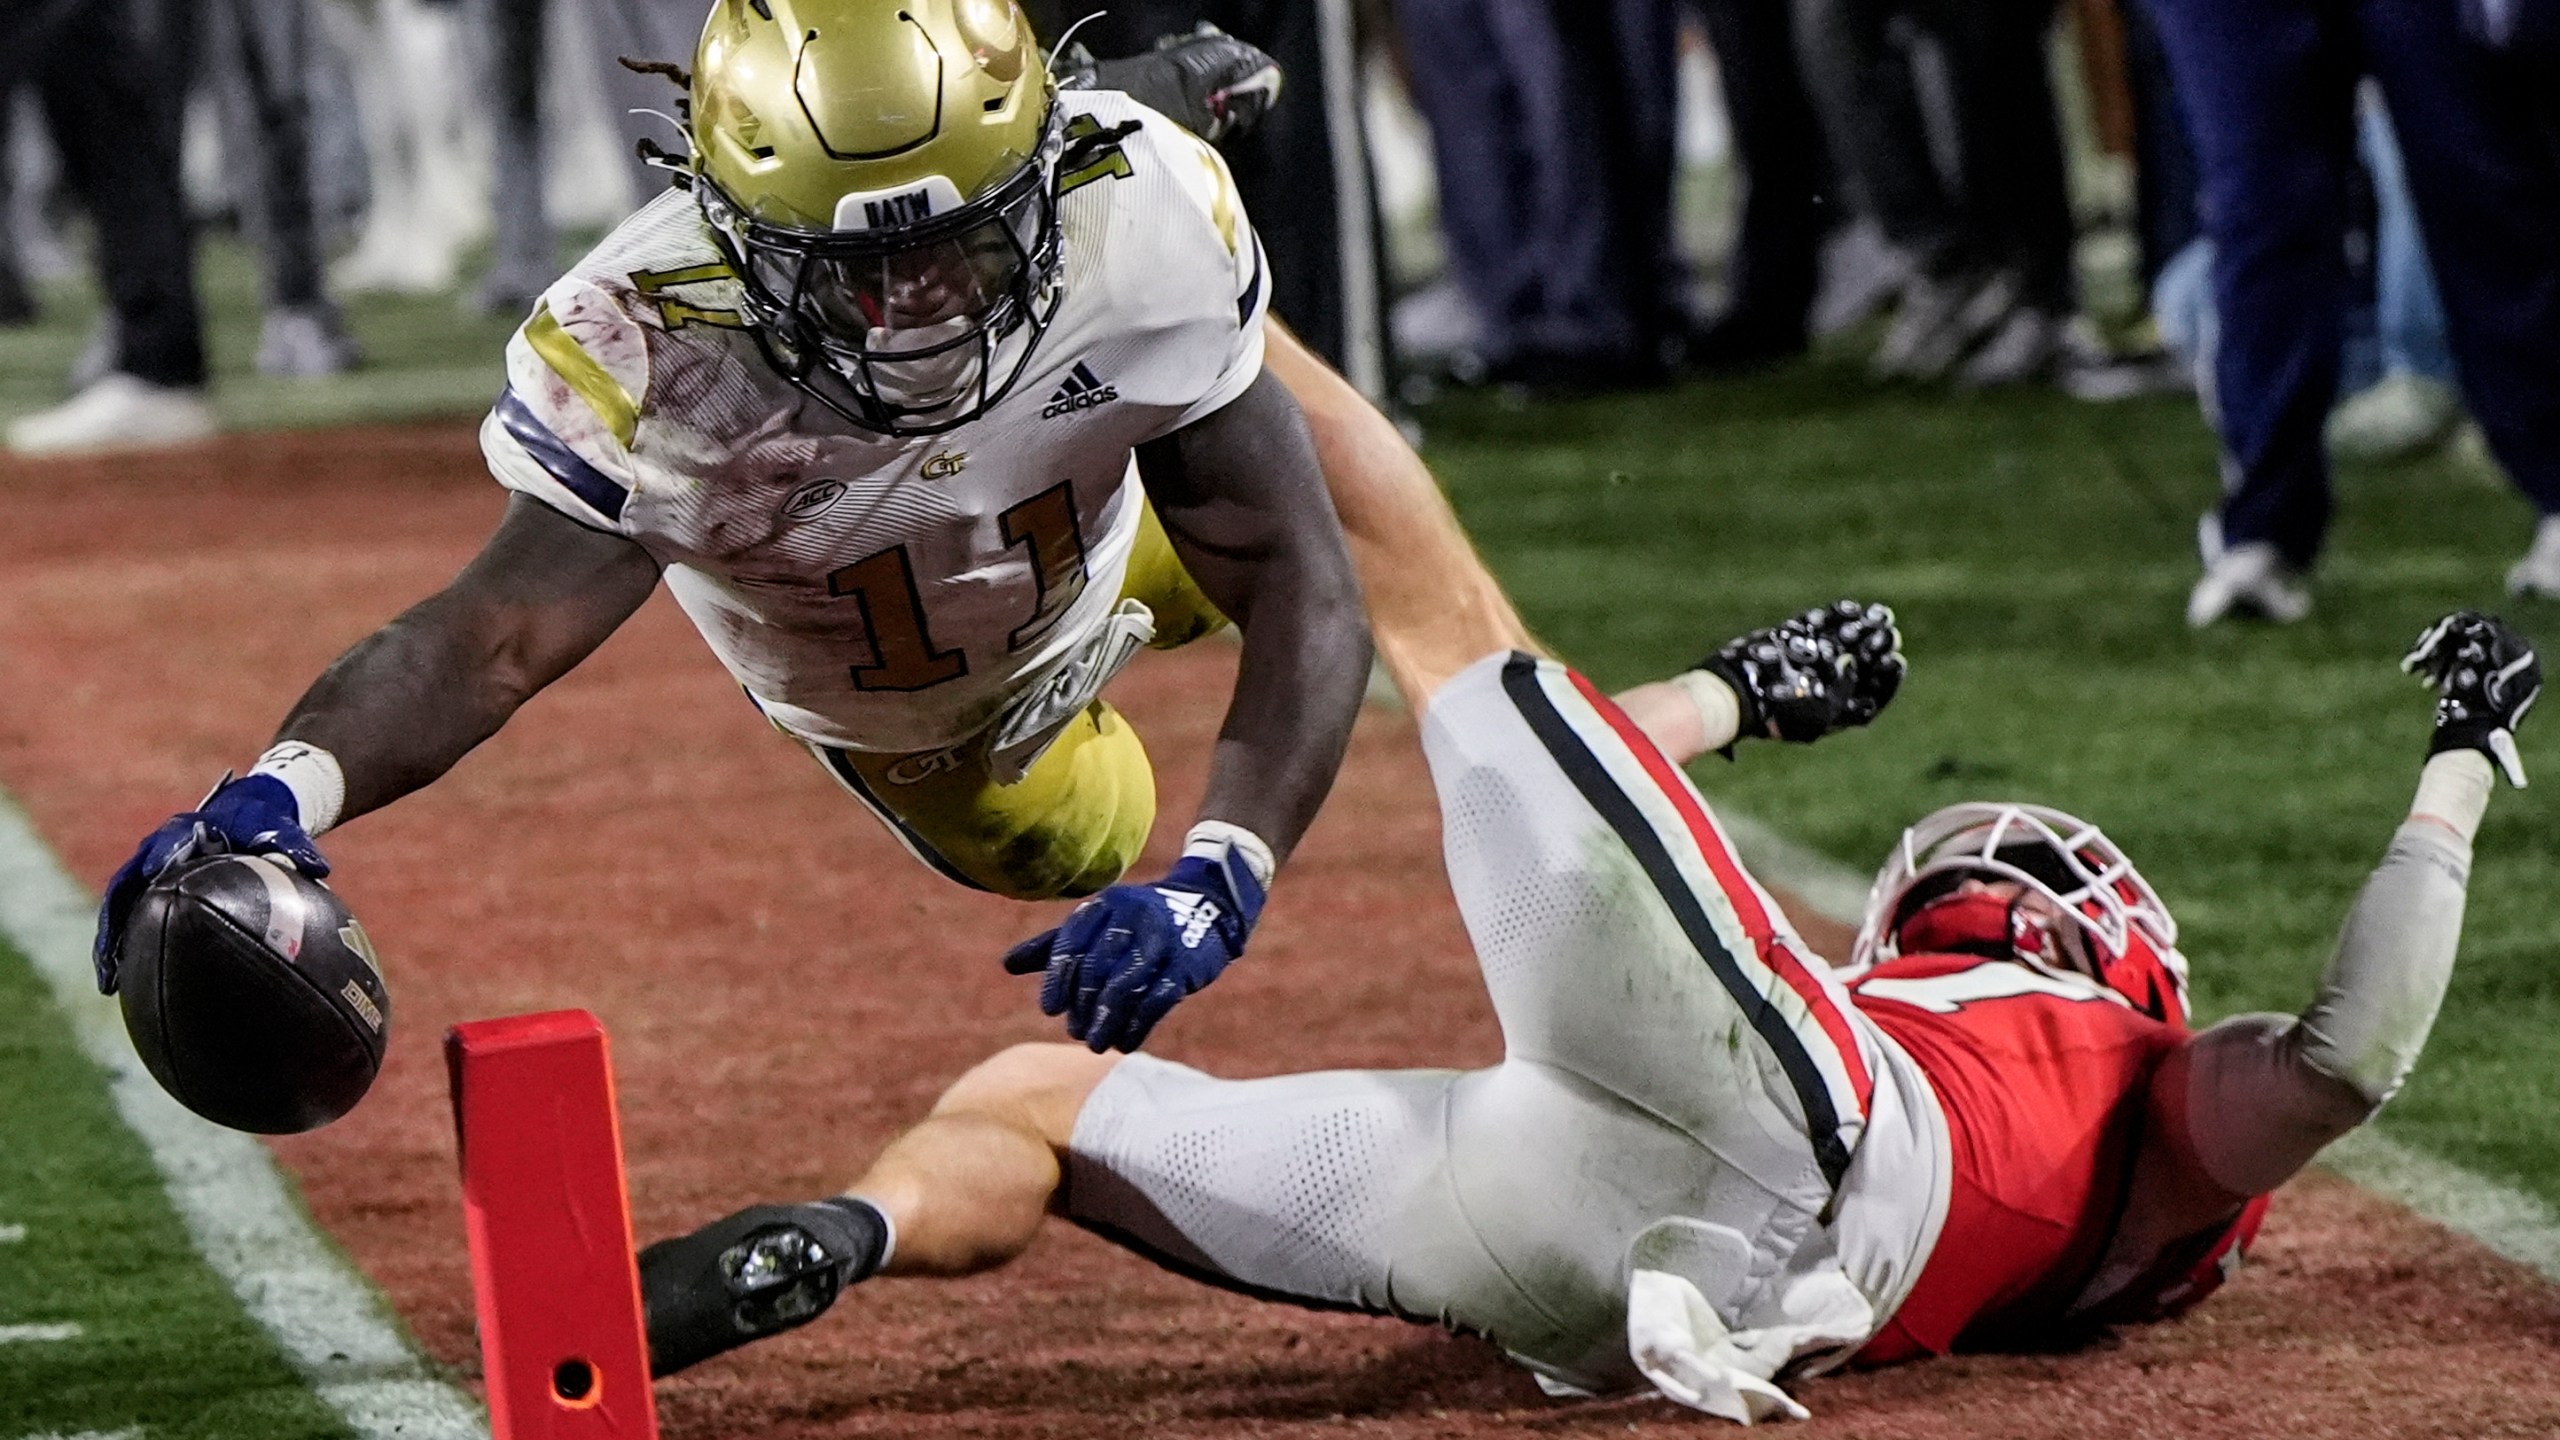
[(2099, 918)]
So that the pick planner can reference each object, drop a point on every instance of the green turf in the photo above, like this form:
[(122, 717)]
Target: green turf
[(425, 354), (164, 1347), (2039, 552)]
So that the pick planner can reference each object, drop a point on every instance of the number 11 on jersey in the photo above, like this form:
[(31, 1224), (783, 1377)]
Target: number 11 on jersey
[(903, 655)]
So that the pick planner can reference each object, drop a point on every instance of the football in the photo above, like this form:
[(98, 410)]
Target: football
[(252, 996)]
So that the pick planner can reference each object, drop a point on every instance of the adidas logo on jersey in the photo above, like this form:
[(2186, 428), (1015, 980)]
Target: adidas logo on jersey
[(1082, 391)]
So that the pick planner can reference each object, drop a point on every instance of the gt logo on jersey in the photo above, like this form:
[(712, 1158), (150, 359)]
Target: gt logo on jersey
[(918, 768), (946, 464), (1082, 390)]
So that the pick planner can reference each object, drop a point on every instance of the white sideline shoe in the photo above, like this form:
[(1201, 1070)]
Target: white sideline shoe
[(118, 412), (305, 342), (2537, 575), (2398, 416), (2249, 579), (1937, 322)]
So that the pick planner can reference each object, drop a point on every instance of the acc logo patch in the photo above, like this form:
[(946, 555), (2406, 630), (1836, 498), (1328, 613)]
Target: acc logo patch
[(813, 499)]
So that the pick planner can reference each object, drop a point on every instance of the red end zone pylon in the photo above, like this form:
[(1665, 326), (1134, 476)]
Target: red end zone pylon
[(561, 1334)]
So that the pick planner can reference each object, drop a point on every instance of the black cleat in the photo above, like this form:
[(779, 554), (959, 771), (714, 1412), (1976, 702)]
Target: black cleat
[(764, 1270)]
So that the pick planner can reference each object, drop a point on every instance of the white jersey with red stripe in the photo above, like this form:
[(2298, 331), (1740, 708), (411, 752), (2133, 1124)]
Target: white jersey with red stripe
[(876, 592), (1686, 1093)]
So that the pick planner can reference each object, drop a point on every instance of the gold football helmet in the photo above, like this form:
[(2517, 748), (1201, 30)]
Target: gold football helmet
[(881, 174)]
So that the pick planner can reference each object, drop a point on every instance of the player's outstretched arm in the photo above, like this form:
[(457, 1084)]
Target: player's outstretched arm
[(413, 698), (1244, 504), (408, 701), (1243, 501), (2244, 1105), (1834, 667), (1435, 609)]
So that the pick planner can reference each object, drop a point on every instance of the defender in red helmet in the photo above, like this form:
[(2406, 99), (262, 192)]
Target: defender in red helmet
[(1707, 1162)]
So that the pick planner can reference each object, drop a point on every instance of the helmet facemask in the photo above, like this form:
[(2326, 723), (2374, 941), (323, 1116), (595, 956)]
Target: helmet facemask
[(910, 329), (2091, 913)]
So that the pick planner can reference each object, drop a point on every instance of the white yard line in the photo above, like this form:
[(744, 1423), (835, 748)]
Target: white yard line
[(12, 1234), (37, 1334), (324, 1315), (132, 1434), (2516, 1225), (2507, 1220)]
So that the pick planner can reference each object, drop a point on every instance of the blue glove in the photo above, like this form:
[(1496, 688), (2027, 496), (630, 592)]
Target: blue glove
[(255, 816), (1129, 954)]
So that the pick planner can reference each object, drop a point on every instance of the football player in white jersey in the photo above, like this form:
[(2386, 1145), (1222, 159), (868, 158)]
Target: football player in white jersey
[(933, 393)]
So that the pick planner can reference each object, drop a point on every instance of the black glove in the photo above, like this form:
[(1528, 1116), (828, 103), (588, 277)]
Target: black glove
[(2486, 677), (1209, 81), (1828, 669)]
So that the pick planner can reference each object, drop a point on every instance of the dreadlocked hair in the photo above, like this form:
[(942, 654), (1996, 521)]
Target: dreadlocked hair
[(651, 153)]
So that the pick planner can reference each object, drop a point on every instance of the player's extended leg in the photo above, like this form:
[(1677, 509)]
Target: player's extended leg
[(1330, 1190), (963, 1191), (1627, 951), (1324, 1189)]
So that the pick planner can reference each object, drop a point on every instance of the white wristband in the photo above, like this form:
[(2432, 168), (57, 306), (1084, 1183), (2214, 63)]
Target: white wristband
[(319, 787), (1209, 837), (1719, 709)]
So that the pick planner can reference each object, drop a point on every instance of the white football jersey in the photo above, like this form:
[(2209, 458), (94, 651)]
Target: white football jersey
[(871, 591)]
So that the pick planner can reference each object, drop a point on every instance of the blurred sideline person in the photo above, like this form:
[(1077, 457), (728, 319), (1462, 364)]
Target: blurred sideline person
[(928, 445), (2270, 89), (17, 290), (1994, 1129), (257, 57), (108, 84), (1788, 205), (1993, 296), (2396, 378), (513, 41), (1552, 131)]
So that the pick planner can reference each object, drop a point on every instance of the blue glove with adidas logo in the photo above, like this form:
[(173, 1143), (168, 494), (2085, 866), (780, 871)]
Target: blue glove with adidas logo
[(1130, 954)]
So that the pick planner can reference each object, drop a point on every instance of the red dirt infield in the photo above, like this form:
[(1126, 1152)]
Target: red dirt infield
[(785, 988)]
